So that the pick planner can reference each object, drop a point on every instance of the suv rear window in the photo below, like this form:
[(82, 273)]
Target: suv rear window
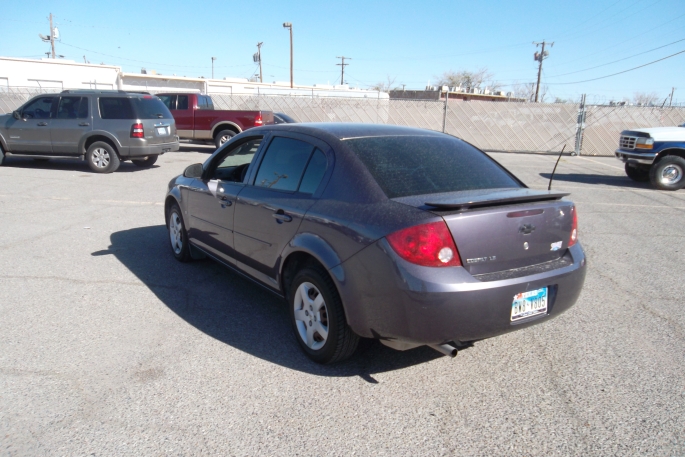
[(420, 165), (133, 108), (151, 108)]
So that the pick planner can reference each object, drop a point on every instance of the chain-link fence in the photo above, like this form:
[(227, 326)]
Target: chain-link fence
[(492, 126)]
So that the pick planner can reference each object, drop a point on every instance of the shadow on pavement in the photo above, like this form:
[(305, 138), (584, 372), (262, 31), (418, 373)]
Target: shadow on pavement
[(235, 311), (65, 164), (607, 180)]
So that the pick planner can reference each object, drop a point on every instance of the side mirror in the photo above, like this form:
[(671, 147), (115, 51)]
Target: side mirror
[(16, 115), (193, 171)]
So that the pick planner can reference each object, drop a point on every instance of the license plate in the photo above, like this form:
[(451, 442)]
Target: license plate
[(161, 131), (528, 304)]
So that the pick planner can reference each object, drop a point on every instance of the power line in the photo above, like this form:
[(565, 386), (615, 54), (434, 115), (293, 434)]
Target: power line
[(619, 60), (620, 72)]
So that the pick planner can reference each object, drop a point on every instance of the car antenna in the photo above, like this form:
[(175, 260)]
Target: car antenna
[(555, 168)]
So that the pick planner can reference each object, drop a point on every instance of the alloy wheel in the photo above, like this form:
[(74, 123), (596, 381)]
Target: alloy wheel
[(176, 232), (671, 174), (100, 158), (311, 316)]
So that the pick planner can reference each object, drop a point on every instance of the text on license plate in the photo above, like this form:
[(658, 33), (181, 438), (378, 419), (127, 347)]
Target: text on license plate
[(528, 304), (162, 131)]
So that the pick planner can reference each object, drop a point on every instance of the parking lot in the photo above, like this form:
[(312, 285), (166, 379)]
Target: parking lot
[(108, 346)]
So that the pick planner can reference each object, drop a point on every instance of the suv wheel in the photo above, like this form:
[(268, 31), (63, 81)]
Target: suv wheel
[(146, 162), (668, 173), (318, 318), (222, 137), (2, 155), (637, 173), (102, 158)]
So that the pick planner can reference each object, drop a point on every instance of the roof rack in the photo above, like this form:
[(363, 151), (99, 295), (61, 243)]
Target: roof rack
[(103, 91)]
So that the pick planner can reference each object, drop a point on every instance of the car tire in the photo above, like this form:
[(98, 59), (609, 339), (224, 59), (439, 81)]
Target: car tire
[(178, 235), (222, 137), (2, 156), (318, 317), (102, 158), (637, 173), (146, 162), (668, 173)]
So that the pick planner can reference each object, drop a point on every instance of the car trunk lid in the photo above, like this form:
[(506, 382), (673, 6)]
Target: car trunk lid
[(503, 229)]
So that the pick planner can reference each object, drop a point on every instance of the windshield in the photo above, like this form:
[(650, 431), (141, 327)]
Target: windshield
[(420, 165)]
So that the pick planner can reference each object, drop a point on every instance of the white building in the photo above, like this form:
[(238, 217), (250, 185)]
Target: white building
[(59, 74)]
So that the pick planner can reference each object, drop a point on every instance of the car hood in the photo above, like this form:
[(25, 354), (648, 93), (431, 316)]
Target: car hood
[(664, 133)]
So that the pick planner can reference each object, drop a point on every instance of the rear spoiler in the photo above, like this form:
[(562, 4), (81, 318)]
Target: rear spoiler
[(496, 199)]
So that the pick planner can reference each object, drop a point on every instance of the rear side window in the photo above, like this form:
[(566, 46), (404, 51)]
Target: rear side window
[(204, 102), (314, 172), (182, 102), (72, 108), (420, 165), (283, 164), (116, 108), (150, 107)]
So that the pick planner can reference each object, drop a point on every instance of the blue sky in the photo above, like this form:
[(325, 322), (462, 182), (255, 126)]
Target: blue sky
[(410, 42)]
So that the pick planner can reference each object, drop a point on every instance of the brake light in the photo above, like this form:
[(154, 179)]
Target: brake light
[(574, 228), (258, 121), (430, 245), (137, 131)]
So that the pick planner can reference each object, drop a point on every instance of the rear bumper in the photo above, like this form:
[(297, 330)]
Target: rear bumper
[(390, 299), (642, 158), (152, 149)]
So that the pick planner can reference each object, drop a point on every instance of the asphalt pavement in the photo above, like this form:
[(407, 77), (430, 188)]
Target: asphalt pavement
[(108, 346)]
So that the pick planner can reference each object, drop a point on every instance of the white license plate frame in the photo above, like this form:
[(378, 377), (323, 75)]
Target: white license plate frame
[(529, 304)]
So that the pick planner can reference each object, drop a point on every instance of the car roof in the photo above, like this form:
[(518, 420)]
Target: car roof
[(113, 93), (346, 130)]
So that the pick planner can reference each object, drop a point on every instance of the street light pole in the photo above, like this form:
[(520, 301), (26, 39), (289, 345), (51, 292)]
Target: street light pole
[(289, 26), (213, 59)]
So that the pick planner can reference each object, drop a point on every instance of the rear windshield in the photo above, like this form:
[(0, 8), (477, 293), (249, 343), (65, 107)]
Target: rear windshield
[(419, 165), (133, 108)]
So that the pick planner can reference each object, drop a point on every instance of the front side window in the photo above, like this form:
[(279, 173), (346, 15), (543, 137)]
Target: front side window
[(233, 165), (283, 164), (116, 108), (40, 108), (72, 108)]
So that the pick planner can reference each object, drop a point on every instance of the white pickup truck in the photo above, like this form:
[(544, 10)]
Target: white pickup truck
[(654, 154)]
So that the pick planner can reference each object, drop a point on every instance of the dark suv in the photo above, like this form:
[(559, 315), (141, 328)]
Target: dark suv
[(102, 127)]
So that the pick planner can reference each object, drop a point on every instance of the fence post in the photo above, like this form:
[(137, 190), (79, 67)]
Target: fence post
[(580, 127), (444, 114)]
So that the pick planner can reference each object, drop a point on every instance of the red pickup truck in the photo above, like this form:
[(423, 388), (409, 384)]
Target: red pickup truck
[(196, 118)]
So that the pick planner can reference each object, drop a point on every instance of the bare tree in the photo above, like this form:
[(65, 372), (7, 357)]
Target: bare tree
[(644, 98), (478, 79), (385, 86), (527, 91)]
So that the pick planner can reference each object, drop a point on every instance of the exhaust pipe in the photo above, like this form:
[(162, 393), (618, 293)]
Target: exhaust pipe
[(446, 349)]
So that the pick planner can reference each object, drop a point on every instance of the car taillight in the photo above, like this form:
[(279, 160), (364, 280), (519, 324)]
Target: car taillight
[(574, 228), (137, 131), (430, 245), (258, 121)]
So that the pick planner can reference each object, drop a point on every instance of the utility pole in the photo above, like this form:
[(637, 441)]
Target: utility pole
[(213, 59), (342, 68), (670, 103), (289, 25), (539, 57), (52, 37), (259, 56)]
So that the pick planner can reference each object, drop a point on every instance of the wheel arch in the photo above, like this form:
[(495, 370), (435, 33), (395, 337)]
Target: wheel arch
[(680, 152), (305, 249), (226, 125), (86, 141), (174, 197)]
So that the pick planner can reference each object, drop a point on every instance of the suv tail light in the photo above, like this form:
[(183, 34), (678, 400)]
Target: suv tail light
[(258, 121), (430, 245), (137, 131), (574, 228)]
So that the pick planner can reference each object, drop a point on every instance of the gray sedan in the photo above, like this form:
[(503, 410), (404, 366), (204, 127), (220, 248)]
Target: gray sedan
[(408, 236)]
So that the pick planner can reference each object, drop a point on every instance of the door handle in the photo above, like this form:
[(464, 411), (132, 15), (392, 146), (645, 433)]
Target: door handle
[(42, 124), (84, 124), (225, 201), (280, 216)]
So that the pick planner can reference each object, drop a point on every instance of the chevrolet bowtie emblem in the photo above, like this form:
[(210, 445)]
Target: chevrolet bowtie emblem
[(526, 229)]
